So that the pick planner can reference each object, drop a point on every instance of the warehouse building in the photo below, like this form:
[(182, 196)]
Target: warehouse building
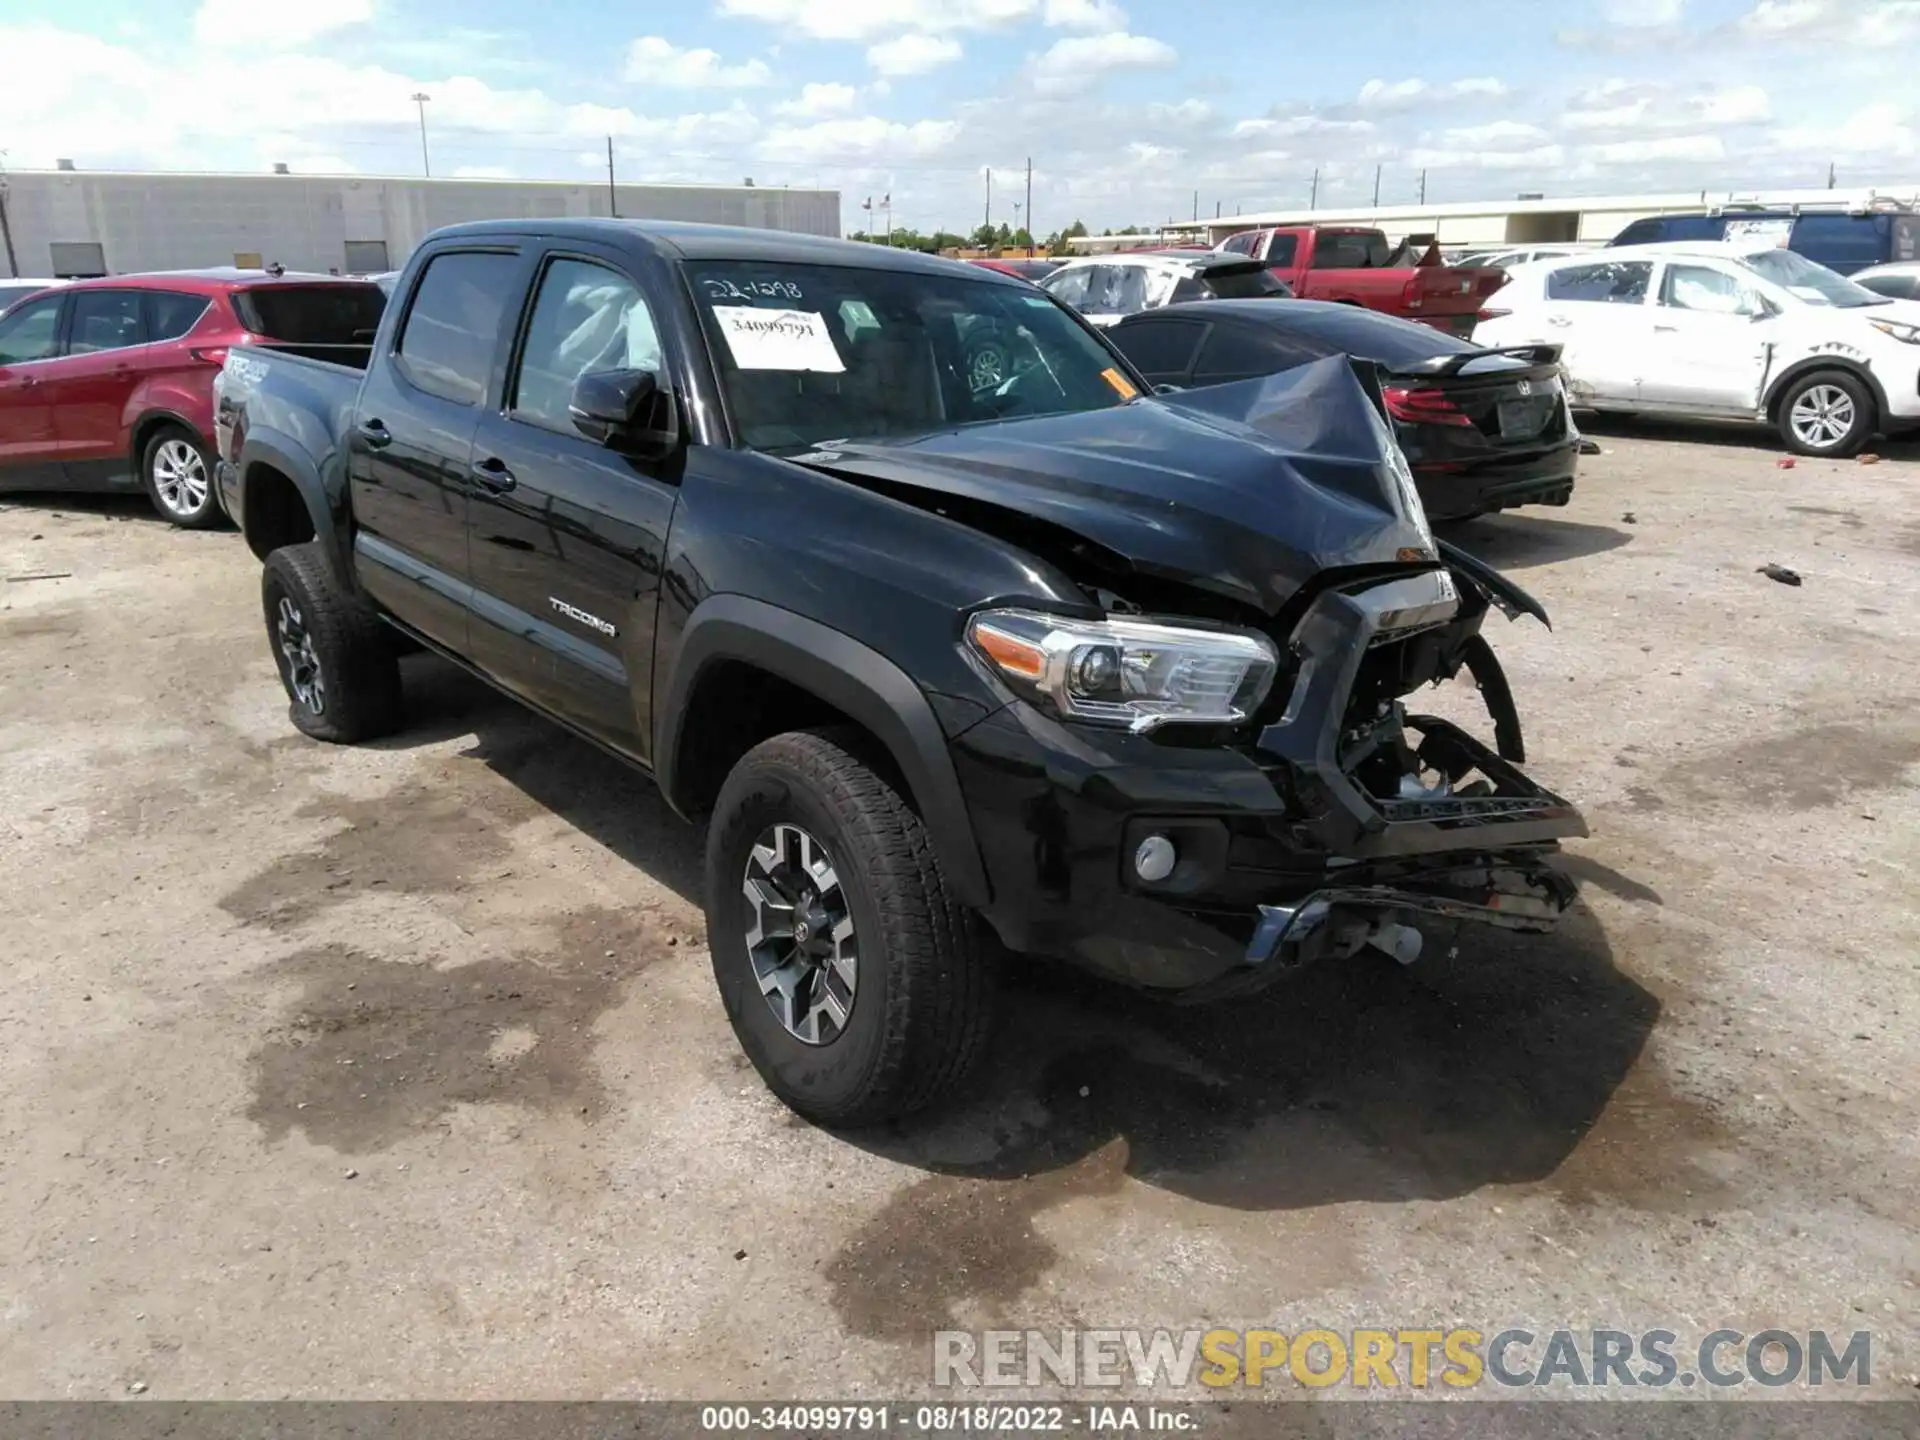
[(68, 223), (1491, 224)]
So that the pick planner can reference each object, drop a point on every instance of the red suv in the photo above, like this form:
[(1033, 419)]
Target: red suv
[(108, 384)]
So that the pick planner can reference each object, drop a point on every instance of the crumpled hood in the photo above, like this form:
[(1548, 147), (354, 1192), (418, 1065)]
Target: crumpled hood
[(1248, 490)]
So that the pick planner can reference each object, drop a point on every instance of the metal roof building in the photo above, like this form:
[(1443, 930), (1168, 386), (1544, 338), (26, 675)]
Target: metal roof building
[(1592, 219), (71, 223)]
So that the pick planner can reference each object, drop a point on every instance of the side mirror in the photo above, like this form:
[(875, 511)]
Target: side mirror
[(626, 410)]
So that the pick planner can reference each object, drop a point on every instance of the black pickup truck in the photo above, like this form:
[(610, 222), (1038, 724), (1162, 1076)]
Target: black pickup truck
[(1107, 676)]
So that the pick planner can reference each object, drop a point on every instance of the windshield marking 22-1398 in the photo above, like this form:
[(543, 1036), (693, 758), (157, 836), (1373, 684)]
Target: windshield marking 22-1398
[(815, 353)]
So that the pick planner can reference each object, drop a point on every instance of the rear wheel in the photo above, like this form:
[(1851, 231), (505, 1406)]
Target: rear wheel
[(177, 471), (851, 974), (340, 670), (1827, 413)]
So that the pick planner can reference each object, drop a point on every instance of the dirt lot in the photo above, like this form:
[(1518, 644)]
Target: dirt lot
[(399, 1072)]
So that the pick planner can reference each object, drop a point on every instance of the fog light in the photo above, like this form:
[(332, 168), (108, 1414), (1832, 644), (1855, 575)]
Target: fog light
[(1155, 859)]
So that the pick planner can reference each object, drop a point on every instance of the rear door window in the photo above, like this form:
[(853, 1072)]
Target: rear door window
[(1128, 294), (1232, 353), (171, 315), (1162, 350), (105, 320), (1347, 250), (1843, 242), (1070, 286), (342, 314), (1611, 282), (452, 330)]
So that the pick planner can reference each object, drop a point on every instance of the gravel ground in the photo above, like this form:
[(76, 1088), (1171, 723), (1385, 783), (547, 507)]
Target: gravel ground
[(398, 1071)]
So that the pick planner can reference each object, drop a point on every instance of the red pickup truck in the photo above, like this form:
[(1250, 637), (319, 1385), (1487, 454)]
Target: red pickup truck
[(1355, 267)]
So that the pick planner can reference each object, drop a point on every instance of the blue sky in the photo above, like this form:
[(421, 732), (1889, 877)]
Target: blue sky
[(1125, 108)]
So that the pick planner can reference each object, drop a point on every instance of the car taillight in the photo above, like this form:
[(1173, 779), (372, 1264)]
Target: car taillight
[(1422, 407), (210, 355), (1489, 313)]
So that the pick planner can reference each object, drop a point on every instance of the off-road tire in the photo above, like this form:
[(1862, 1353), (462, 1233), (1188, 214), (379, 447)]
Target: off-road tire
[(172, 444), (358, 668), (1866, 414), (923, 1007)]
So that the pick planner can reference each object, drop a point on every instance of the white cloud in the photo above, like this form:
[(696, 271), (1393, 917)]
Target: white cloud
[(1542, 157), (1499, 135), (1300, 125), (870, 19), (1622, 105), (913, 54), (279, 24), (1183, 115), (1695, 149), (1644, 12), (1739, 105), (1086, 15), (1774, 19), (866, 137), (1076, 63), (819, 101), (1877, 130), (654, 60), (1406, 94)]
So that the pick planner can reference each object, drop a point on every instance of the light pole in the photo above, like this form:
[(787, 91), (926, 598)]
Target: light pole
[(420, 98)]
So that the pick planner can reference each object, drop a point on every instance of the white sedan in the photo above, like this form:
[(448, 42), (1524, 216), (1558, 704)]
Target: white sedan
[(1729, 330)]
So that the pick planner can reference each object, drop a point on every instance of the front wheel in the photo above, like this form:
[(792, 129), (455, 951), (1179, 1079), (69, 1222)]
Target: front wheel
[(1830, 413), (851, 974), (177, 471)]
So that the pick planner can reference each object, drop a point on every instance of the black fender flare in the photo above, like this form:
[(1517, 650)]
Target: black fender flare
[(1784, 381), (852, 677), (279, 452)]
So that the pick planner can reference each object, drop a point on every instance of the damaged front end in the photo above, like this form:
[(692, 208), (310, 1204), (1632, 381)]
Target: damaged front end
[(1292, 800), (1413, 820)]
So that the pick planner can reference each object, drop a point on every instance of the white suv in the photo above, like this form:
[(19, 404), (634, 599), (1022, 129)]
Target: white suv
[(1735, 330)]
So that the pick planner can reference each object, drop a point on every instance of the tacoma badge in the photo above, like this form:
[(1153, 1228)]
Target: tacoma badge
[(573, 612)]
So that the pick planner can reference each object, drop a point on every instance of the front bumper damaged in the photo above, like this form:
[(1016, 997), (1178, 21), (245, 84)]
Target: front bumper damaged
[(1293, 847)]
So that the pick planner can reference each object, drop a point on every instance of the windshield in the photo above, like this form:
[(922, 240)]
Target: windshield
[(813, 353), (1812, 283)]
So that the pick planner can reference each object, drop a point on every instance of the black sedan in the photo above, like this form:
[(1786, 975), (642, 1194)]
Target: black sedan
[(1484, 430)]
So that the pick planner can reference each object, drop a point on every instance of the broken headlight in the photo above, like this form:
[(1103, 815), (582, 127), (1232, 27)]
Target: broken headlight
[(1122, 671)]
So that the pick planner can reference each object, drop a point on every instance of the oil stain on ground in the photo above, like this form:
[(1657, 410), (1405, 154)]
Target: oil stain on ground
[(1805, 770), (423, 838), (376, 1050), (1355, 1080)]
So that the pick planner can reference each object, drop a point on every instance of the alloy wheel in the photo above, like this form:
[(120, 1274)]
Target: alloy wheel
[(800, 936), (1822, 416), (180, 478), (304, 679)]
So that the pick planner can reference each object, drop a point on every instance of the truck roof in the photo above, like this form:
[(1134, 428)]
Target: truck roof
[(679, 240)]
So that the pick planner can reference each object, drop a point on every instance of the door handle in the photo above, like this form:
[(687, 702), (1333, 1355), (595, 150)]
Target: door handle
[(1666, 329), (377, 436), (27, 382), (1559, 322), (492, 474)]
